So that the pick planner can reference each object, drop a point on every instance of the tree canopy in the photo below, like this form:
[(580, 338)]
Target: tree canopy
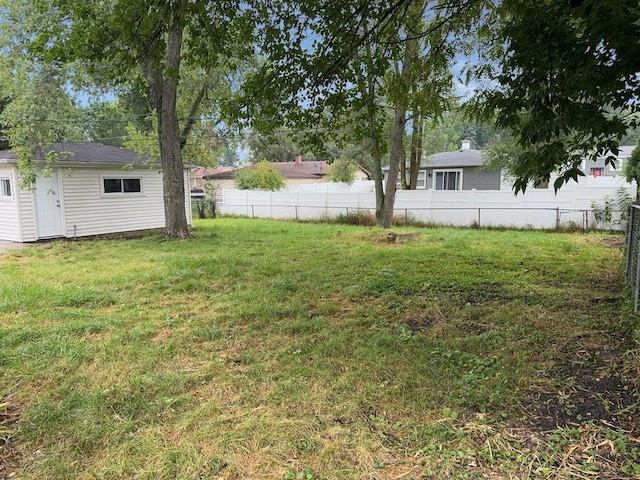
[(342, 170), (369, 64), (176, 52), (568, 82), (563, 77)]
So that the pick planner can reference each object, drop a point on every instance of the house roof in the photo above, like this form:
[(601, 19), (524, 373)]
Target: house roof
[(87, 154), (290, 170), (459, 158), (303, 169), (624, 151), (220, 173), (204, 172)]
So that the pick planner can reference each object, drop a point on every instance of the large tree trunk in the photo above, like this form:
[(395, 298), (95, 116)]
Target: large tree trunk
[(164, 88), (369, 91), (415, 157), (378, 178), (395, 156)]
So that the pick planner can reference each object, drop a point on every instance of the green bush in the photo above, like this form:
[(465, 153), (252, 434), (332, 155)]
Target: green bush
[(261, 176), (342, 171)]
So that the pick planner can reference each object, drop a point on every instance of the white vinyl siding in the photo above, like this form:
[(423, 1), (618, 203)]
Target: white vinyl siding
[(86, 209), (128, 185), (89, 211), (6, 190), (26, 214), (9, 220)]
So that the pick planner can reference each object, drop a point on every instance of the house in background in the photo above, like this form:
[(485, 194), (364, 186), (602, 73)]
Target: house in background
[(220, 178), (200, 177), (298, 172), (458, 170), (305, 172), (599, 169), (92, 189)]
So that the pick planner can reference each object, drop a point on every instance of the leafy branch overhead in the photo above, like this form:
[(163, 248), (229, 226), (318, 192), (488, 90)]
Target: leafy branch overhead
[(568, 80), (178, 53), (562, 77), (363, 68)]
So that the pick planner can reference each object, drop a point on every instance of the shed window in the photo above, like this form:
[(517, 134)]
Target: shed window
[(447, 179), (122, 185), (5, 187)]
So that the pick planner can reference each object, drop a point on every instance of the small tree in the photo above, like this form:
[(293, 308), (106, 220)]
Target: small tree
[(342, 170), (261, 176), (632, 169)]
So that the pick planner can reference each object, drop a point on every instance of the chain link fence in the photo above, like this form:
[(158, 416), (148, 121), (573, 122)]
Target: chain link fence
[(485, 217), (633, 254)]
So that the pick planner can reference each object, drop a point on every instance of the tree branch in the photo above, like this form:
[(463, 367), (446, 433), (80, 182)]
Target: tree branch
[(191, 119)]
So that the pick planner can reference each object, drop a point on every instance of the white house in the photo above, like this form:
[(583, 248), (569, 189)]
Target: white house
[(91, 189), (599, 169)]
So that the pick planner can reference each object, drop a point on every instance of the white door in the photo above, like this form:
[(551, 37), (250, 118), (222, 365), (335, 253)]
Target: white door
[(48, 208)]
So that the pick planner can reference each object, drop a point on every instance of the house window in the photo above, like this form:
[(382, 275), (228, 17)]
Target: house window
[(421, 183), (447, 179), (5, 188), (597, 171), (122, 185)]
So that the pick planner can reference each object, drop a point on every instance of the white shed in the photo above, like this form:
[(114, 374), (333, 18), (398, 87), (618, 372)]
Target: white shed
[(92, 189)]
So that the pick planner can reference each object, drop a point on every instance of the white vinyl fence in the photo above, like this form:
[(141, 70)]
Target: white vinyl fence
[(537, 208)]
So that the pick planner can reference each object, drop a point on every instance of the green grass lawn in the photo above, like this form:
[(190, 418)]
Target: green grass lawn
[(274, 350)]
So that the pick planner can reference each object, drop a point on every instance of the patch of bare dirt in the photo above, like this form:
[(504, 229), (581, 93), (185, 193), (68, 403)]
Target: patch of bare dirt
[(430, 317), (587, 421), (9, 456), (589, 386), (613, 241)]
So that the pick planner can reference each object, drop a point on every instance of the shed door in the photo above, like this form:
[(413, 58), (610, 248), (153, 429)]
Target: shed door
[(48, 209)]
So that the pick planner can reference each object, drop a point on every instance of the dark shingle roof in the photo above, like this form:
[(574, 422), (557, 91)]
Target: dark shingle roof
[(305, 169), (218, 173), (88, 154), (458, 158)]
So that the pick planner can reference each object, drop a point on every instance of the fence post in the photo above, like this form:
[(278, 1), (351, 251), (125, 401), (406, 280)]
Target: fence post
[(636, 287), (628, 238), (253, 213), (406, 216), (297, 213), (557, 218), (479, 210), (586, 220)]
